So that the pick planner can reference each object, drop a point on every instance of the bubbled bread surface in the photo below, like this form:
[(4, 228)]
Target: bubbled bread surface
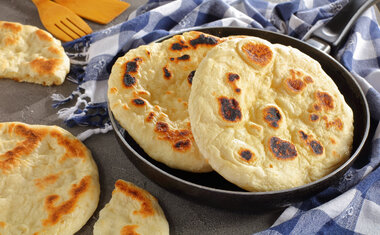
[(148, 93), (267, 117), (48, 180)]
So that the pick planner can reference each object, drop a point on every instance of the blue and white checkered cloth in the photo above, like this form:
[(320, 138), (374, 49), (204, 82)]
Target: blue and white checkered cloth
[(351, 205)]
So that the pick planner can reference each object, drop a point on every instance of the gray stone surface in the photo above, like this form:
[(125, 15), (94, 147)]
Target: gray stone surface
[(32, 104)]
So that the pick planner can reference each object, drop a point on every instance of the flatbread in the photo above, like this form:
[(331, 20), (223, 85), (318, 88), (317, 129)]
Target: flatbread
[(148, 92), (131, 210), (30, 54), (267, 117), (48, 180)]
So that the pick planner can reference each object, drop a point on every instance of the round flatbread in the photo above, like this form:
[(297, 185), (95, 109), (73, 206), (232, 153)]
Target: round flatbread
[(148, 92), (131, 210), (267, 117), (49, 182), (30, 54)]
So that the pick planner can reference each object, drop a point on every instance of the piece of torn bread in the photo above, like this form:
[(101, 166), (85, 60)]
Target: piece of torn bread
[(30, 54), (131, 210)]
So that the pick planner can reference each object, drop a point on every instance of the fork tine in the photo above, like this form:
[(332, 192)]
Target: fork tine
[(67, 22), (62, 35), (71, 35), (80, 24)]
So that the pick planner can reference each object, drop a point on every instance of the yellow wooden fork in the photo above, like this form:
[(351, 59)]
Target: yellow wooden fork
[(60, 21)]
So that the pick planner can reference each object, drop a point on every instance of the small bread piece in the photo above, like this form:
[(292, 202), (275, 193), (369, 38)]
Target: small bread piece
[(48, 180), (148, 93), (267, 117), (30, 54), (131, 210)]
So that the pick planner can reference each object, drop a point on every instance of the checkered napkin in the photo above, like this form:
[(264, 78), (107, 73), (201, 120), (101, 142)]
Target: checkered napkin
[(350, 206)]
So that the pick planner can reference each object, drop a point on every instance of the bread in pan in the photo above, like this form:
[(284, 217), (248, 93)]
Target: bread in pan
[(267, 117), (148, 92)]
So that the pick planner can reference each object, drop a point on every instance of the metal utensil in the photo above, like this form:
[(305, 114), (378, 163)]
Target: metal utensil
[(60, 21), (331, 35)]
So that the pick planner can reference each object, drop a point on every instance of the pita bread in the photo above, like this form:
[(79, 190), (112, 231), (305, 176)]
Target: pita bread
[(49, 181), (30, 54), (148, 92), (267, 117), (131, 210)]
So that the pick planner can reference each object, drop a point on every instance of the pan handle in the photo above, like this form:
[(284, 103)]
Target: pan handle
[(334, 31)]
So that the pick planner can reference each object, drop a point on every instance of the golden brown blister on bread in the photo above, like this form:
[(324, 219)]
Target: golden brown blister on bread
[(148, 94), (131, 210), (267, 117), (49, 182), (30, 54)]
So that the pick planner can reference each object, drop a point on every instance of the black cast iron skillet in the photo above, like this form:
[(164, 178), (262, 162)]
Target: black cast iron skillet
[(211, 188)]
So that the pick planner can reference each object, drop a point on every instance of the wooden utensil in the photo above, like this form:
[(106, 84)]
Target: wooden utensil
[(60, 21), (100, 11)]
